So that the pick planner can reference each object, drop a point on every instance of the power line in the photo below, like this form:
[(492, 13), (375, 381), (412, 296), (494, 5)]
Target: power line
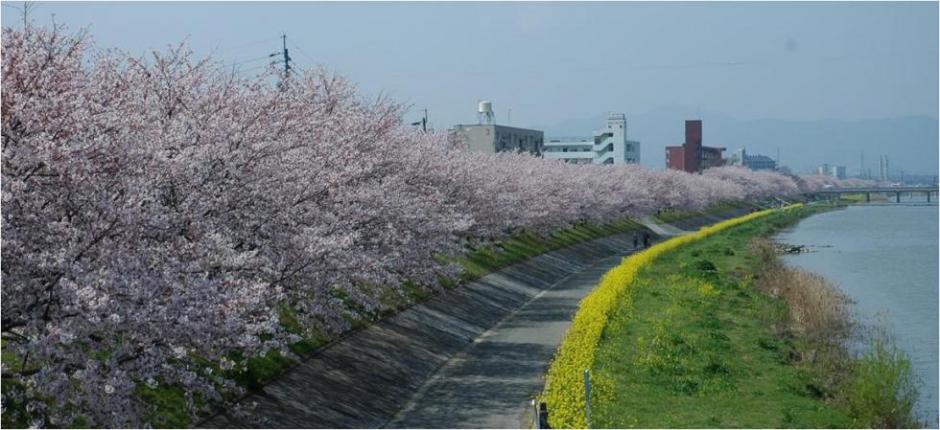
[(279, 57), (218, 49), (304, 54), (286, 58), (252, 60), (423, 123), (240, 71)]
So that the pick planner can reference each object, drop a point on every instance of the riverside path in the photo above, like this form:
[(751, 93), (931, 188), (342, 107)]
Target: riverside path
[(469, 357), (489, 383)]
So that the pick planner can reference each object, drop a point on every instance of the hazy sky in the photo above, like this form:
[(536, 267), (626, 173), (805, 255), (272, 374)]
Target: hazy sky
[(550, 62)]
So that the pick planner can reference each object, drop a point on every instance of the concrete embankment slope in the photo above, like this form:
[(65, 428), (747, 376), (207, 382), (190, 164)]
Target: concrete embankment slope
[(470, 357)]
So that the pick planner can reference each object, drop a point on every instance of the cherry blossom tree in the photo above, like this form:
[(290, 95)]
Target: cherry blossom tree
[(160, 212)]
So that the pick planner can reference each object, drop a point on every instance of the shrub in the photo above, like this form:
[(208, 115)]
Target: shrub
[(817, 309), (882, 391)]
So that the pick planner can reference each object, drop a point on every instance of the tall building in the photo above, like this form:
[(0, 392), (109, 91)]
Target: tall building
[(608, 146), (691, 156), (883, 168), (830, 170), (487, 136), (838, 172)]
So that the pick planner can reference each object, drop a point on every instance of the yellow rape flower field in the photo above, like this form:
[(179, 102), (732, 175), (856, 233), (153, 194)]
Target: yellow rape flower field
[(564, 392)]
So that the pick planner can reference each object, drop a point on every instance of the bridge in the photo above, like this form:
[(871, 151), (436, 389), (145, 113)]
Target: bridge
[(867, 191)]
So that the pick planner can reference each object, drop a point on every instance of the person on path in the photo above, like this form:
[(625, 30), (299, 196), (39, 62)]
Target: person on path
[(646, 240), (636, 240)]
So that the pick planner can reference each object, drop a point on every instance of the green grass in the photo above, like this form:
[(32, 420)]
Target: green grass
[(699, 347), (882, 391), (478, 262), (169, 403)]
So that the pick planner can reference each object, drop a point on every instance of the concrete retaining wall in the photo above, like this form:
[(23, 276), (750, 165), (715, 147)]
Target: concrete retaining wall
[(367, 378)]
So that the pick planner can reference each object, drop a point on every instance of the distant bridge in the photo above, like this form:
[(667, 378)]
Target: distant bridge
[(867, 191)]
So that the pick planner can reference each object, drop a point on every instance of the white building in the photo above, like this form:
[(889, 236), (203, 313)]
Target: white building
[(489, 137), (608, 146), (837, 172)]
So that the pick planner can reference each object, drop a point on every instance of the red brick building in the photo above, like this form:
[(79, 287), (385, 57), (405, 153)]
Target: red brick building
[(691, 156)]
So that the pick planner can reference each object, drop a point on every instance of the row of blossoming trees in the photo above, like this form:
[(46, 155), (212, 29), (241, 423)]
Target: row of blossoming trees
[(159, 209)]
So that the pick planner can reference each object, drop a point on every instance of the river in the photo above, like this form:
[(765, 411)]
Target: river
[(885, 258)]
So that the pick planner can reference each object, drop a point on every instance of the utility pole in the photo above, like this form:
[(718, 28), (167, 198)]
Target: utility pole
[(887, 170), (423, 123), (26, 7), (286, 57)]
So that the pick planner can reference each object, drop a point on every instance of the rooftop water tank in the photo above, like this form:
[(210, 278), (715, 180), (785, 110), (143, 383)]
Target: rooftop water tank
[(485, 113)]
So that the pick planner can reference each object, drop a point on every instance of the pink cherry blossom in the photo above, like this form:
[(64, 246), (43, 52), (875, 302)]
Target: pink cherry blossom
[(161, 209)]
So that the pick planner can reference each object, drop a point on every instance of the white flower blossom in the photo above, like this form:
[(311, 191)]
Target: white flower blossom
[(179, 351), (165, 193)]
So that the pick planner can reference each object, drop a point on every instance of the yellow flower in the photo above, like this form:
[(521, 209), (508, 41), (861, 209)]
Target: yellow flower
[(564, 391)]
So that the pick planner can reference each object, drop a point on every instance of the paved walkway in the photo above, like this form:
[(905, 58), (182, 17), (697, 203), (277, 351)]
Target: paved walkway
[(489, 384), (469, 357), (660, 229)]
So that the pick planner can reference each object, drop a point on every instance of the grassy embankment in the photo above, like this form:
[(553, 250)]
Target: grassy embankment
[(477, 262), (716, 333), (169, 402)]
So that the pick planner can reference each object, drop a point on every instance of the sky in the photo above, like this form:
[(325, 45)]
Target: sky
[(553, 62)]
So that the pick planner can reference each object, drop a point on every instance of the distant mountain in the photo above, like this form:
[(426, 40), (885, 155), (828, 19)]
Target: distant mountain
[(911, 143)]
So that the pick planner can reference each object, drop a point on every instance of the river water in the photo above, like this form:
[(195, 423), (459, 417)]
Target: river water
[(885, 257)]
